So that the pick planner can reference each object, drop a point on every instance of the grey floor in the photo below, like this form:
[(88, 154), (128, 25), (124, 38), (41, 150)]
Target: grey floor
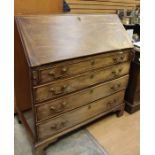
[(77, 143)]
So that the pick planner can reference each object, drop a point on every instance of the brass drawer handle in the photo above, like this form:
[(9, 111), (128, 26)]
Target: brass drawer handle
[(111, 103), (64, 69), (114, 73), (53, 108), (115, 59), (58, 126), (58, 91), (52, 73), (117, 73), (116, 86), (59, 108), (118, 59)]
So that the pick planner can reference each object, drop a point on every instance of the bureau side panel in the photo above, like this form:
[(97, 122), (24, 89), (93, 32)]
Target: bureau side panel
[(21, 75)]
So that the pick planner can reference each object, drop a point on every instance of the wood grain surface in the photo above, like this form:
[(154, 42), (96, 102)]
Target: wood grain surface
[(45, 40), (62, 87), (62, 122), (63, 104), (74, 67)]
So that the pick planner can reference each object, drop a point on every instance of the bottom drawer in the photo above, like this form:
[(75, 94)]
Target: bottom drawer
[(77, 116)]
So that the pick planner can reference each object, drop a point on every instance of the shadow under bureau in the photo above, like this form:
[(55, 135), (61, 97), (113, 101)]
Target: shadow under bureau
[(72, 69)]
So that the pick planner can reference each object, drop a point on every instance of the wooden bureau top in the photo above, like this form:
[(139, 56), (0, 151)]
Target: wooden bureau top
[(55, 38)]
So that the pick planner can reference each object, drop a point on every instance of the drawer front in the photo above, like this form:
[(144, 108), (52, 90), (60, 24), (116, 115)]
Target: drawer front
[(56, 107), (66, 69), (70, 119), (61, 87)]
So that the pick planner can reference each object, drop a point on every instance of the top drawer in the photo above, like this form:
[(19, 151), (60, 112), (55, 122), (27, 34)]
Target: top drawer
[(73, 67)]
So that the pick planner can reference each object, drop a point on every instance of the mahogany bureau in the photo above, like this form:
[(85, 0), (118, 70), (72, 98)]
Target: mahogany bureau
[(73, 69)]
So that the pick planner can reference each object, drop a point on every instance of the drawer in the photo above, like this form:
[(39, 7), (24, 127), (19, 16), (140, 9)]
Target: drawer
[(74, 67), (70, 119), (61, 87), (63, 104)]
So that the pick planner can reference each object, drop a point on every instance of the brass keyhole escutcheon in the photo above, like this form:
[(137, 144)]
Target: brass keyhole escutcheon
[(92, 76), (91, 91)]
